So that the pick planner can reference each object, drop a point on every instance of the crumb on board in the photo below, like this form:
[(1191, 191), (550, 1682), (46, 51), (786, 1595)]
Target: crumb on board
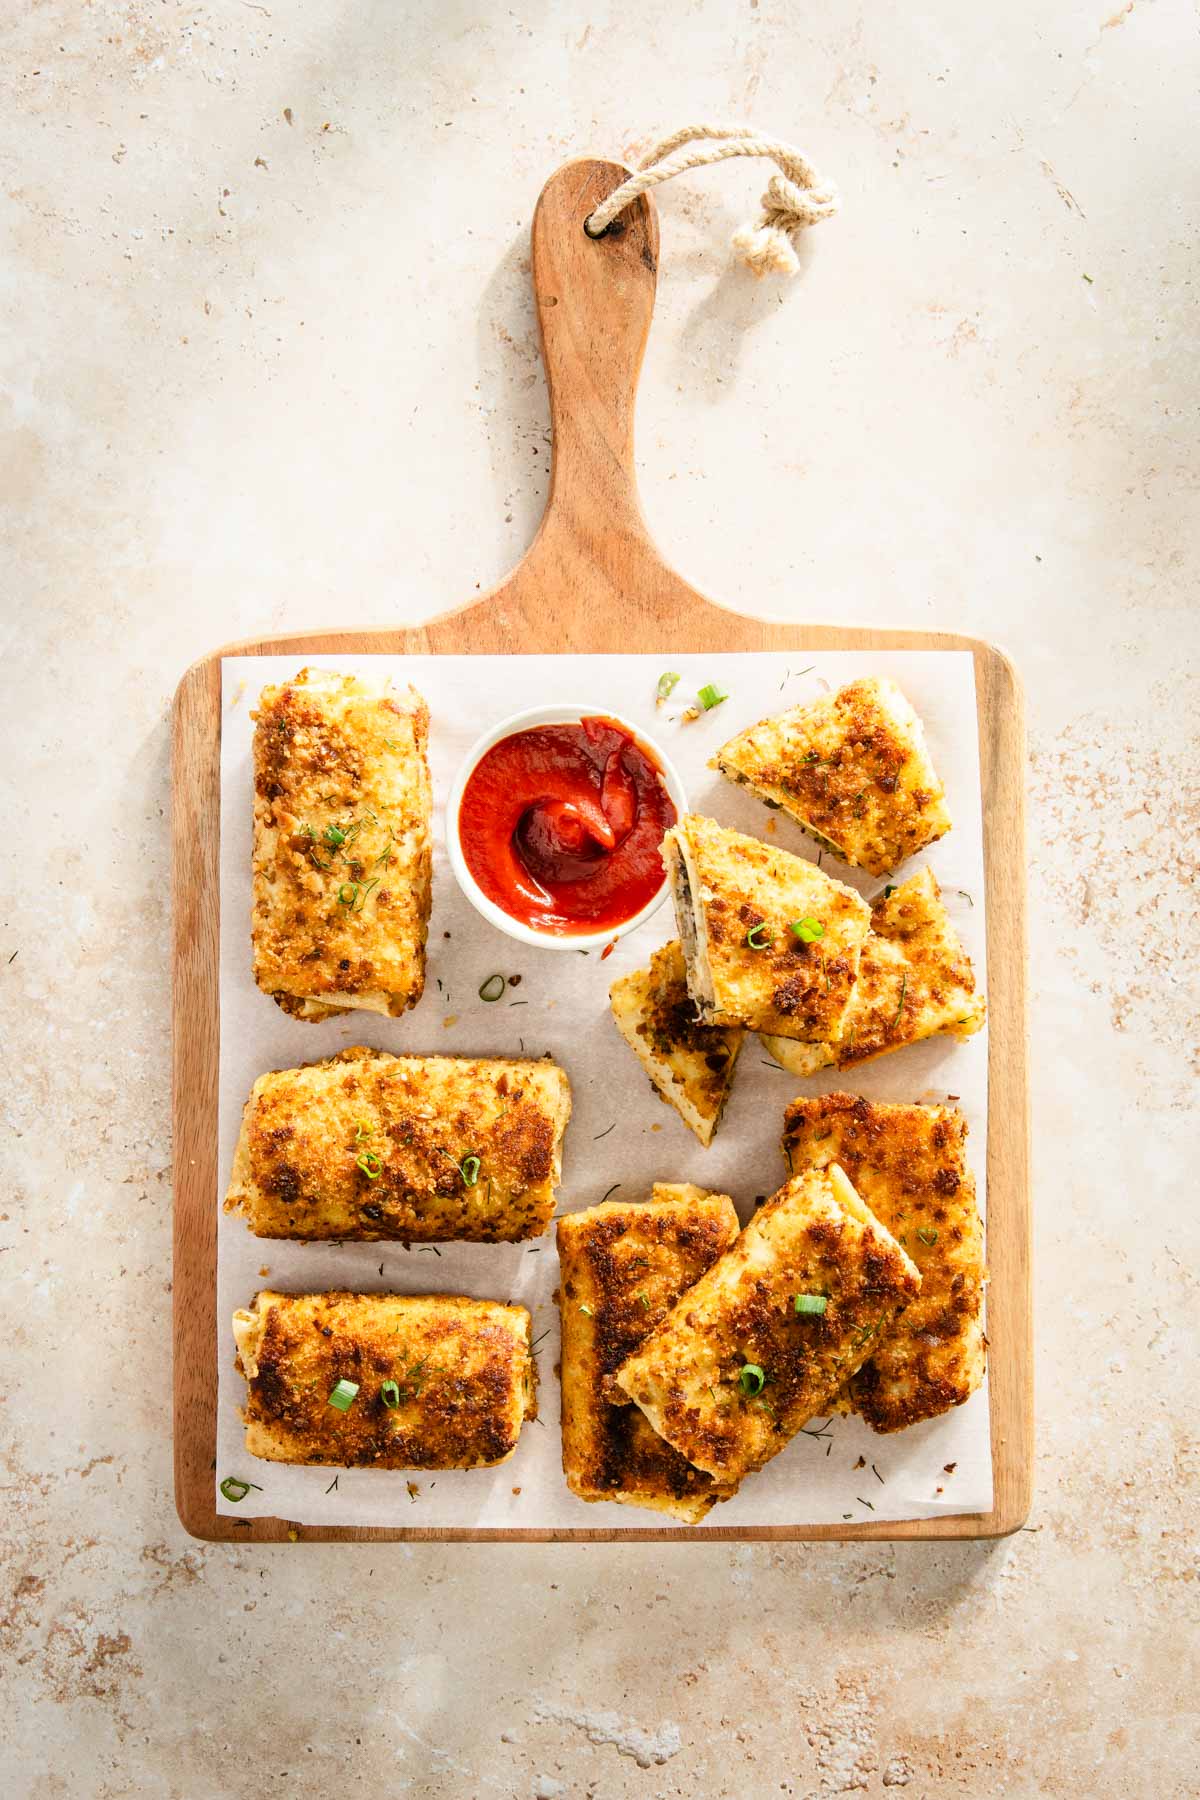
[(450, 1019)]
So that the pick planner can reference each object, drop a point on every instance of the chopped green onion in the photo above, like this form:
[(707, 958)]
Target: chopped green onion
[(808, 929), (389, 1393), (751, 1378), (347, 894), (889, 890), (342, 1395), (711, 695), (468, 1168), (667, 684), (927, 1236), (811, 1303), (492, 988), (370, 1164), (644, 1302), (236, 1490), (362, 1131), (588, 1311), (900, 1004), (334, 837), (755, 939)]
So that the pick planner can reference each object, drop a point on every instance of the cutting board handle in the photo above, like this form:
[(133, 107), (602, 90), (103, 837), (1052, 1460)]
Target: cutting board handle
[(595, 299)]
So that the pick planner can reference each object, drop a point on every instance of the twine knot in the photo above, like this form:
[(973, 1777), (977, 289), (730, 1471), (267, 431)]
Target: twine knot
[(795, 198)]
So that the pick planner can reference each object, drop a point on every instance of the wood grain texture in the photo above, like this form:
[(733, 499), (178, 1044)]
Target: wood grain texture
[(592, 581)]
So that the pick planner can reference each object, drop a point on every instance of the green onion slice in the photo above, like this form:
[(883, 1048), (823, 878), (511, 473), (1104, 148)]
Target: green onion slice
[(236, 1490), (813, 1304), (588, 1311), (334, 837), (492, 988), (468, 1168), (347, 894), (370, 1164), (711, 695), (889, 890), (342, 1395), (755, 938), (667, 684), (751, 1378), (808, 929), (389, 1393), (927, 1236)]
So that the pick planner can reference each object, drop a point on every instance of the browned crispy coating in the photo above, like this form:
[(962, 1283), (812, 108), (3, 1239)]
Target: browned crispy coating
[(915, 981), (691, 1065), (770, 941), (696, 1377), (342, 860), (464, 1375), (851, 768), (416, 1148), (622, 1267), (909, 1163)]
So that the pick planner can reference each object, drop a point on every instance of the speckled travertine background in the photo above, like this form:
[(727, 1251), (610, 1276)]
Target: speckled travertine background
[(269, 362)]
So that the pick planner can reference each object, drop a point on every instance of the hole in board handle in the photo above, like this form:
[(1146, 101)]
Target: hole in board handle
[(614, 228)]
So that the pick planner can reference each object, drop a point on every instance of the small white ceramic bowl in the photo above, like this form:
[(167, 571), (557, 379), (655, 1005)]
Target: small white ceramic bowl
[(495, 915)]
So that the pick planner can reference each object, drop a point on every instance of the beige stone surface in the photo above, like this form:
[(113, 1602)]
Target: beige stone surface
[(269, 361)]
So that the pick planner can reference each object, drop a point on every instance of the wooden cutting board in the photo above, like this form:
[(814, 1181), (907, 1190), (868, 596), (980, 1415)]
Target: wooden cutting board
[(592, 581)]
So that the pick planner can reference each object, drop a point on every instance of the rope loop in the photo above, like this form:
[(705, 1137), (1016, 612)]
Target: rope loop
[(795, 198)]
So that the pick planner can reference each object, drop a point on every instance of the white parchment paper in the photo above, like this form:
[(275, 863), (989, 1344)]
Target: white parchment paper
[(620, 1132)]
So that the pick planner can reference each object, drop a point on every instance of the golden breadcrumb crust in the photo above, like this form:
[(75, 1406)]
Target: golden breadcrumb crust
[(909, 1163), (342, 860), (464, 1374), (915, 981), (622, 1268), (696, 1375), (851, 768), (690, 1065), (736, 903), (422, 1149)]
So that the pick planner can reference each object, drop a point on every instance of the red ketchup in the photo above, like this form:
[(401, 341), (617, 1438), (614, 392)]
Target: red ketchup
[(561, 826)]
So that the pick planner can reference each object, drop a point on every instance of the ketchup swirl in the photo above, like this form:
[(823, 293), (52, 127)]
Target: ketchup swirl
[(561, 826)]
